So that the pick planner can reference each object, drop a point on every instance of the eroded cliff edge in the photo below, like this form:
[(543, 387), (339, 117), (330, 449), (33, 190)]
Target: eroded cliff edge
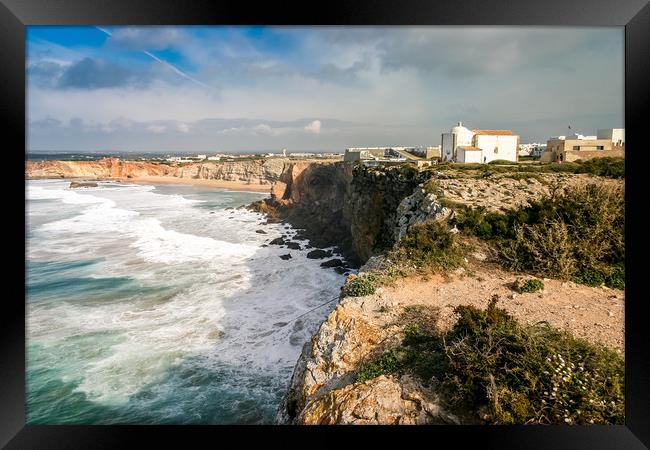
[(254, 171), (373, 208)]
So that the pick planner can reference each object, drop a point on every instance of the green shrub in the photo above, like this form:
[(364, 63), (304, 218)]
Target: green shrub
[(502, 162), (523, 374), (529, 286), (429, 244), (534, 374), (360, 286), (577, 234)]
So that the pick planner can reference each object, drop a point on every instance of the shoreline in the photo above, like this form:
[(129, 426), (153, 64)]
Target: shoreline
[(219, 184)]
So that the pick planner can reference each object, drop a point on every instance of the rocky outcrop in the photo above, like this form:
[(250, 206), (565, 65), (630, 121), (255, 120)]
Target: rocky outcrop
[(256, 171), (323, 389), (350, 206), (101, 169), (82, 184), (418, 207)]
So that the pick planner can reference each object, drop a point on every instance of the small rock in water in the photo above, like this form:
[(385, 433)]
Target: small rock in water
[(285, 257), (260, 231), (332, 263), (341, 270), (79, 184), (277, 241), (293, 245), (319, 254)]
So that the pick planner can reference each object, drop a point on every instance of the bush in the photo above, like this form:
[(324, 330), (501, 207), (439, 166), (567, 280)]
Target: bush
[(523, 374), (502, 162), (360, 286), (431, 245), (578, 235), (529, 286)]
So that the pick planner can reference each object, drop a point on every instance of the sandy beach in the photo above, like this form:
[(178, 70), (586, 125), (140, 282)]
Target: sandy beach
[(221, 184)]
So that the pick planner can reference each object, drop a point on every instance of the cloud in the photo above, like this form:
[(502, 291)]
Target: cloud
[(147, 38), (313, 127), (183, 128), (92, 73), (263, 128), (156, 129)]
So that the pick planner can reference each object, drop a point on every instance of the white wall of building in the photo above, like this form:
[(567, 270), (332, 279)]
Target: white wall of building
[(468, 156), (497, 147)]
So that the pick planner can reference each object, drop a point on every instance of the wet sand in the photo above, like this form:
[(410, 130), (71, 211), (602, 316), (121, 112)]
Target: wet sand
[(221, 184)]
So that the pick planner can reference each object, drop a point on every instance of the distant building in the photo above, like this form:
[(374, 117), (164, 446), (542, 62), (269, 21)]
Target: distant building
[(214, 158), (201, 157), (480, 146), (616, 135), (426, 152), (576, 146), (534, 149), (374, 154)]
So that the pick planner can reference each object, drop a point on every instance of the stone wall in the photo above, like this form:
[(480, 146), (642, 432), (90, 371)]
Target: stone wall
[(572, 155)]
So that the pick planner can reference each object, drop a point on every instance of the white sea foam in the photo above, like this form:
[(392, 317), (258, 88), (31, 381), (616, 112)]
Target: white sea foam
[(224, 298)]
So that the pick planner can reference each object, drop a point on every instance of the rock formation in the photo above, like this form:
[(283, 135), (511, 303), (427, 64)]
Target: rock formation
[(256, 171)]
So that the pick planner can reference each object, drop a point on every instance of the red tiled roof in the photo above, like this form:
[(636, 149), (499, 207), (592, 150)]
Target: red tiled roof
[(494, 132)]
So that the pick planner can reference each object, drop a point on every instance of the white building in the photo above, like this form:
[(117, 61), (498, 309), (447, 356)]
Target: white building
[(478, 146), (201, 157), (214, 158), (616, 135), (535, 149)]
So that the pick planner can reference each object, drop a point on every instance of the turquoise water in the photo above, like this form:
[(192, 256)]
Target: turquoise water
[(160, 305)]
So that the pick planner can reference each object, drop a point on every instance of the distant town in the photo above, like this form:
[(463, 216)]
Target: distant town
[(459, 145)]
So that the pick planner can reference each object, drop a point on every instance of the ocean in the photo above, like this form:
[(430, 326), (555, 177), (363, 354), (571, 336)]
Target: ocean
[(162, 305)]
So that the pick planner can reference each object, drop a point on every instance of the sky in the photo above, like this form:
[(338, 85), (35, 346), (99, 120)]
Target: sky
[(237, 89)]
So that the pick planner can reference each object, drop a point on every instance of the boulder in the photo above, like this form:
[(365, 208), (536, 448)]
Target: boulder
[(277, 241), (293, 245), (285, 257), (82, 184), (332, 263), (319, 254)]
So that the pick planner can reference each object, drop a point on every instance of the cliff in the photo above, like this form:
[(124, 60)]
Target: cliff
[(350, 206), (256, 171), (372, 208)]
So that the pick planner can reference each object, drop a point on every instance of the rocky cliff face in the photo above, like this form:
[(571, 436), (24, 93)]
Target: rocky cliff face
[(352, 207), (323, 388), (257, 171)]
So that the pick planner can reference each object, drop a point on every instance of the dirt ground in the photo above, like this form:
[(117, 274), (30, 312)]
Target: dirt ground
[(593, 313)]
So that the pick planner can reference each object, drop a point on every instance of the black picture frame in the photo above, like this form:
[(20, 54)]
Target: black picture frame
[(634, 15)]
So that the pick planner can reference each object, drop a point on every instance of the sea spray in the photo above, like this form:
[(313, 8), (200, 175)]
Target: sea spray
[(160, 305)]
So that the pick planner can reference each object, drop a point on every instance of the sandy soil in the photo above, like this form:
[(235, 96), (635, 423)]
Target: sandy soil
[(592, 313), (222, 184)]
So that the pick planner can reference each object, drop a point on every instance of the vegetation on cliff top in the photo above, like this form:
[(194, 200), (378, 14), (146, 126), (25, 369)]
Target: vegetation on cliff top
[(574, 235), (606, 167), (519, 374)]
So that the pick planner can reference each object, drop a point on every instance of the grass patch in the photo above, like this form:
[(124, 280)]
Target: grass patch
[(528, 286), (522, 374), (428, 245), (360, 286), (605, 167)]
